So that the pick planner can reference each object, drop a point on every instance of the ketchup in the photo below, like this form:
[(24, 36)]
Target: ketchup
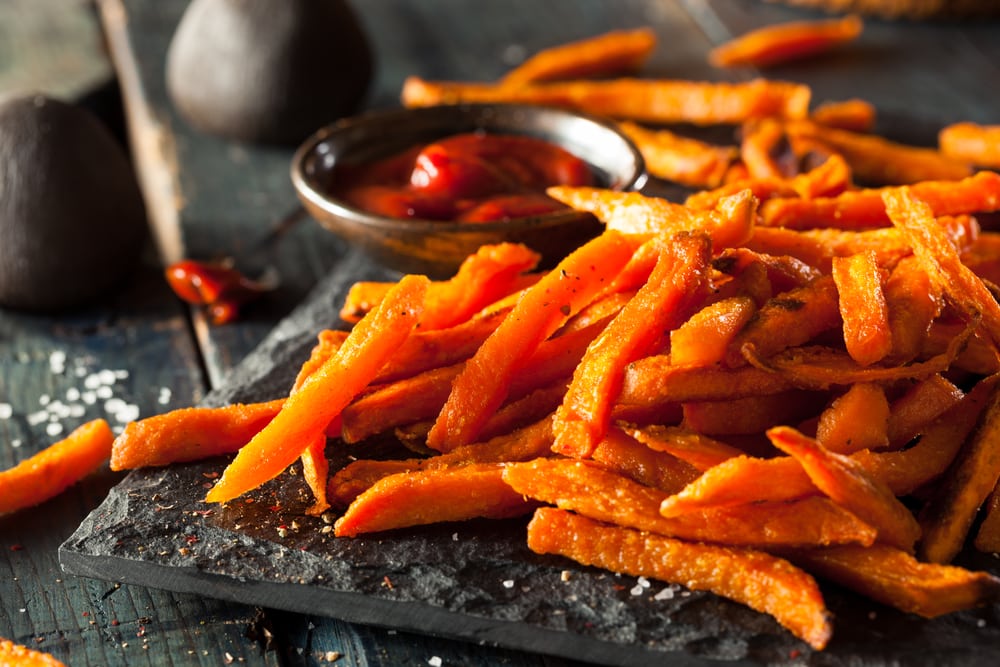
[(218, 287), (473, 177)]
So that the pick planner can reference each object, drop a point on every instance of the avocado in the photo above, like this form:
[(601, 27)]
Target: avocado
[(72, 219), (267, 71)]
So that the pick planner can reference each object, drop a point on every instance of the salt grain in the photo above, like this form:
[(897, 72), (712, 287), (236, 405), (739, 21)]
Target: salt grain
[(6, 411), (665, 594), (509, 583), (104, 392), (435, 661), (73, 394), (53, 429)]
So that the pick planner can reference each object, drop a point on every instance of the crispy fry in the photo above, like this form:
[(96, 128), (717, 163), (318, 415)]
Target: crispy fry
[(848, 484), (898, 580), (655, 380), (189, 434), (729, 224), (315, 470), (761, 147), (680, 159), (622, 453), (660, 305), (16, 655), (789, 319), (857, 419), (704, 338), (307, 411), (915, 410), (862, 307), (697, 449), (742, 480), (913, 301), (971, 142), (432, 496), (858, 209), (600, 494), (482, 385), (791, 596), (877, 160), (855, 114), (784, 42), (57, 467), (753, 414), (612, 53), (948, 515), (659, 101)]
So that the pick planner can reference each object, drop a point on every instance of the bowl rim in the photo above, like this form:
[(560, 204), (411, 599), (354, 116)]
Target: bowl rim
[(335, 207)]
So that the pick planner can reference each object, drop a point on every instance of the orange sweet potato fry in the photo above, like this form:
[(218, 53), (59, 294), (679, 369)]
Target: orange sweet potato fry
[(857, 209), (983, 256), (897, 579), (913, 301), (694, 448), (610, 54), (947, 517), (971, 142), (862, 306), (602, 495), (529, 408), (874, 159), (789, 319), (657, 101), (622, 453), (654, 380), (57, 467), (916, 409), (784, 42), (704, 338), (307, 411), (729, 224), (432, 496), (482, 385), (742, 480), (315, 471), (857, 419), (660, 305), (758, 580), (761, 147), (941, 260), (362, 297), (753, 414), (672, 157), (189, 434), (849, 485), (16, 655), (855, 114)]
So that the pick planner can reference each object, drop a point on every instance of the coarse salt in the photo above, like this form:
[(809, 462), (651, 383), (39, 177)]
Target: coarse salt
[(6, 410), (434, 661)]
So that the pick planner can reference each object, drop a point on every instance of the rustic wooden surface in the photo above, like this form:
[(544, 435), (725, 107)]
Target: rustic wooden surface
[(209, 197)]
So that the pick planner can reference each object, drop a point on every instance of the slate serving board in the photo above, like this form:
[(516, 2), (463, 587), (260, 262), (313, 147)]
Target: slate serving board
[(475, 581)]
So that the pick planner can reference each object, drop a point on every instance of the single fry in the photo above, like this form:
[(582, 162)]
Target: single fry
[(751, 415), (850, 486), (482, 385), (629, 457), (758, 580), (308, 411), (899, 580), (729, 224), (655, 381), (948, 515), (761, 147), (705, 337), (855, 114), (680, 159), (913, 301), (190, 434), (612, 53), (54, 469), (862, 306), (917, 409), (660, 305), (432, 496), (971, 142), (784, 42), (858, 419), (657, 101), (697, 449)]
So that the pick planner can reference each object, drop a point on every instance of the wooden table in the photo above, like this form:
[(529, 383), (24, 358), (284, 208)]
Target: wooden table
[(141, 352)]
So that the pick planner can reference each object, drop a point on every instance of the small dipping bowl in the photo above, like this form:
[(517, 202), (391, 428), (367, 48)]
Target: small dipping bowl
[(435, 248)]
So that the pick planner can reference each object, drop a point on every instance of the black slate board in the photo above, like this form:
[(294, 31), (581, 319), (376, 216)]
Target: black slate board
[(474, 581)]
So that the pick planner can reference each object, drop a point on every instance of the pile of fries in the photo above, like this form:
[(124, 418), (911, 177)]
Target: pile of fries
[(787, 376)]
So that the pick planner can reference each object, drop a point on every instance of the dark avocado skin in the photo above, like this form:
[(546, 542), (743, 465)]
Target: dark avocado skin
[(72, 219), (267, 71)]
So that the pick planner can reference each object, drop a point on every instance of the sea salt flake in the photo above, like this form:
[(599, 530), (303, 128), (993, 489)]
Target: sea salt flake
[(36, 418), (53, 429), (665, 594), (6, 410), (434, 661), (72, 394), (106, 376), (508, 583), (104, 392)]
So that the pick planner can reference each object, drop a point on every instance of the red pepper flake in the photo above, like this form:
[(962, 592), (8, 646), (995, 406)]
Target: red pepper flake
[(86, 613), (114, 622), (794, 653), (141, 632), (387, 582), (203, 512), (210, 475), (191, 539), (16, 547), (275, 508)]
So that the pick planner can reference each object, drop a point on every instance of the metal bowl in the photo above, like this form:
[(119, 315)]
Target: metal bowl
[(436, 248)]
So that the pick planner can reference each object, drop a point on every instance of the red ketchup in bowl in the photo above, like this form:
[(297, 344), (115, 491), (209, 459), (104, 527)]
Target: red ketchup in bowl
[(473, 177)]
